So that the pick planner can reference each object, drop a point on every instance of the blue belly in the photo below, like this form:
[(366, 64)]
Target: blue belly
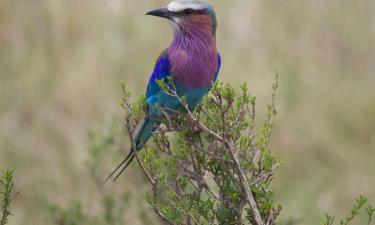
[(163, 100)]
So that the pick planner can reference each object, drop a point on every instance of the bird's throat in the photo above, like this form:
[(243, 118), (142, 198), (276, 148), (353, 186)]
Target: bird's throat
[(193, 54)]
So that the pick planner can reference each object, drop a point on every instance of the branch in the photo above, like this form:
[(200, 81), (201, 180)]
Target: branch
[(246, 189), (213, 155), (192, 117)]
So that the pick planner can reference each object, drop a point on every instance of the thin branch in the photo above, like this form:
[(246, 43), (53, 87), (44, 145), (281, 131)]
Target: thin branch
[(239, 212), (192, 117), (140, 162), (213, 155), (246, 189)]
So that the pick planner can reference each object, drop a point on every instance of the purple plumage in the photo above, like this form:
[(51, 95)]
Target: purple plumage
[(193, 53)]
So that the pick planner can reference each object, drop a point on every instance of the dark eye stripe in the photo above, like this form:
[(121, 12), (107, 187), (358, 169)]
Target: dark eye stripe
[(188, 11), (191, 12)]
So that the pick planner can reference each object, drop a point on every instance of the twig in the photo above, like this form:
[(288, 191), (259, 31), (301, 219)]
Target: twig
[(192, 117), (213, 155), (246, 189), (239, 212), (133, 149)]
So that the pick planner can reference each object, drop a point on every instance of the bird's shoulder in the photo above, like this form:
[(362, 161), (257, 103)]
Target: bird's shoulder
[(161, 71)]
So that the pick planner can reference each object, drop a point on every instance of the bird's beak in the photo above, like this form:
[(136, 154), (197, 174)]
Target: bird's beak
[(162, 12)]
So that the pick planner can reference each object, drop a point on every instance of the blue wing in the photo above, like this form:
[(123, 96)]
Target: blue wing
[(218, 66), (161, 70)]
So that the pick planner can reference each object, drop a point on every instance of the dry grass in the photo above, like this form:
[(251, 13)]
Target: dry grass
[(61, 60)]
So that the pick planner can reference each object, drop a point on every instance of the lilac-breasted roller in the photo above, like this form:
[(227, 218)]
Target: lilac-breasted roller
[(192, 60)]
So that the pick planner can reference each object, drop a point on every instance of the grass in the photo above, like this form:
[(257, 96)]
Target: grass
[(60, 63), (6, 196)]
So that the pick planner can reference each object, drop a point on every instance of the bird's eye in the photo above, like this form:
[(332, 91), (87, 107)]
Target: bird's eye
[(188, 11)]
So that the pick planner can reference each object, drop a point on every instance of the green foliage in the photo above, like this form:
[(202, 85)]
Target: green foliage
[(370, 213), (358, 206), (210, 166), (72, 215), (329, 220), (6, 195)]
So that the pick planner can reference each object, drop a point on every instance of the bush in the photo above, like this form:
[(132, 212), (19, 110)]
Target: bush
[(214, 168), (6, 195), (358, 206)]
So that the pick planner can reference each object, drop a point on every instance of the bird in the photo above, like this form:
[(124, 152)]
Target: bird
[(192, 61)]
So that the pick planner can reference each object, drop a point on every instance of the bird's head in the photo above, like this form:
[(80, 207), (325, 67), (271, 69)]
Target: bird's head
[(188, 14)]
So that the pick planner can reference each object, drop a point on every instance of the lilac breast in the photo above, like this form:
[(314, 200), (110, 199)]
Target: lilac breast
[(193, 55), (193, 69)]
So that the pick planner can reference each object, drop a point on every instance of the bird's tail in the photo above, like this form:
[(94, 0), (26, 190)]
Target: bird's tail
[(143, 134)]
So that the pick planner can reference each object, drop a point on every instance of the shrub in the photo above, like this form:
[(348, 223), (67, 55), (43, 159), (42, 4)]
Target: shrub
[(358, 206), (6, 195), (210, 166)]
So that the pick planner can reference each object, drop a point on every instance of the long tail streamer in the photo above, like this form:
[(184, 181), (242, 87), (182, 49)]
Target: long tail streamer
[(124, 164)]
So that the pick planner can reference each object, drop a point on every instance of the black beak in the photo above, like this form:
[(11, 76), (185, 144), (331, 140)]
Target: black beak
[(163, 12)]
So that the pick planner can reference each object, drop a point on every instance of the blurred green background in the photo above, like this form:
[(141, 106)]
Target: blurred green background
[(61, 62)]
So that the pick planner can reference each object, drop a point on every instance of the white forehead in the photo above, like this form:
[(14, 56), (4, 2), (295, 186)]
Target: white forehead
[(180, 5)]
